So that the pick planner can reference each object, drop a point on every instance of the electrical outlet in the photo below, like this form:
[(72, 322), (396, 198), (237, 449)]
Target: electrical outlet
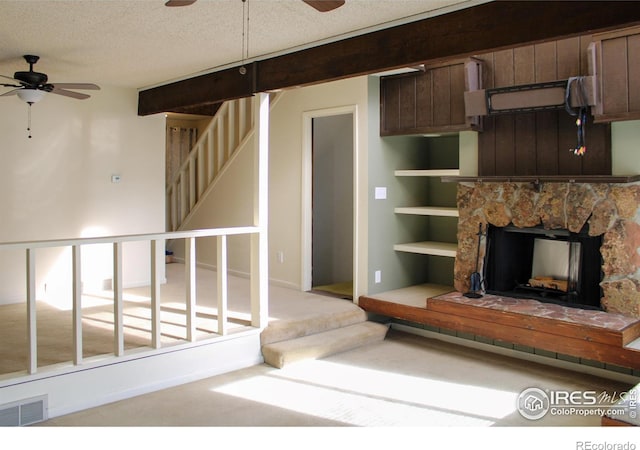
[(378, 276), (280, 256)]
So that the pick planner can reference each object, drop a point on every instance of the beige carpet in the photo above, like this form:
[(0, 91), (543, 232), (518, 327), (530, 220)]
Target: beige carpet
[(406, 380)]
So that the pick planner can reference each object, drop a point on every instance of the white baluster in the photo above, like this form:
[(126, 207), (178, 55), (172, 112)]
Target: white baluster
[(155, 295), (118, 326), (76, 262), (31, 312), (190, 284), (222, 283)]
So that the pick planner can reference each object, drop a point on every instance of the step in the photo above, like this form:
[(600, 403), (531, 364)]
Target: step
[(283, 330), (319, 345)]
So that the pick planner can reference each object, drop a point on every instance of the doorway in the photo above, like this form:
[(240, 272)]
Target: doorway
[(332, 205)]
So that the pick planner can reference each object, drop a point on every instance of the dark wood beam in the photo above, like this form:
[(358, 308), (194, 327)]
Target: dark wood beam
[(199, 93), (485, 27)]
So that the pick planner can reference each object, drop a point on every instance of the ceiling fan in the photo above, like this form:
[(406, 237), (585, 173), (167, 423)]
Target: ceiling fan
[(31, 86), (320, 5)]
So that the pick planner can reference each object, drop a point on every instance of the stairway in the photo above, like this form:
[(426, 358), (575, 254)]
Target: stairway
[(230, 131), (288, 341)]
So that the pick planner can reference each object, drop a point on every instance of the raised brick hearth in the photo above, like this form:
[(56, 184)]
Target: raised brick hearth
[(611, 210)]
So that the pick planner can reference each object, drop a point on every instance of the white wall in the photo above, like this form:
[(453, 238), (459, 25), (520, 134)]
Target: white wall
[(285, 175), (57, 184), (231, 202)]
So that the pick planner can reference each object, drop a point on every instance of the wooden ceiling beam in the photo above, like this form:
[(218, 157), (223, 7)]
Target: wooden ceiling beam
[(485, 27)]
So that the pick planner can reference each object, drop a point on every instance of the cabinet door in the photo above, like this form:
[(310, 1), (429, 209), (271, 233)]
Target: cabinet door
[(425, 101), (398, 104), (618, 70)]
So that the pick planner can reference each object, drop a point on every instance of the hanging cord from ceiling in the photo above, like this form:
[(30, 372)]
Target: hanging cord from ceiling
[(29, 119), (580, 113), (245, 36)]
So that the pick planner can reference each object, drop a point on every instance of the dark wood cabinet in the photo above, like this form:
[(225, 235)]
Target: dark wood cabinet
[(426, 101), (618, 70)]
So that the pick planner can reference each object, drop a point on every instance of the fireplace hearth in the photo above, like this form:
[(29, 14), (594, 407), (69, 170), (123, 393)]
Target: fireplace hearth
[(553, 266)]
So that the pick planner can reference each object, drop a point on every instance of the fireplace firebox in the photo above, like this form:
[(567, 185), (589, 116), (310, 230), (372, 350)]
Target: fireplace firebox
[(555, 266)]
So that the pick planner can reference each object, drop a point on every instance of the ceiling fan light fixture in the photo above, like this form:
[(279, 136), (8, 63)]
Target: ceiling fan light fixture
[(30, 95)]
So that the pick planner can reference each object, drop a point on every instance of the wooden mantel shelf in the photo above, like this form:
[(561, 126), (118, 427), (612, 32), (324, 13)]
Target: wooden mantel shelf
[(621, 179)]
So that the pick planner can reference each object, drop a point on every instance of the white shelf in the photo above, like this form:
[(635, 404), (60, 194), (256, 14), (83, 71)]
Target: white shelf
[(443, 211), (428, 248), (428, 173)]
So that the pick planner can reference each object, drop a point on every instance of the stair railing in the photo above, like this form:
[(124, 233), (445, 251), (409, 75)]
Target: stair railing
[(223, 137)]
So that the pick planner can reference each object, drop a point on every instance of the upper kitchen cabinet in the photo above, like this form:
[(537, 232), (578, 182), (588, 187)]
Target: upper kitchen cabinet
[(427, 101), (618, 72)]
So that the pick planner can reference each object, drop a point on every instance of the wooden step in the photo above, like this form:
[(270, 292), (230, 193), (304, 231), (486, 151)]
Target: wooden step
[(319, 345)]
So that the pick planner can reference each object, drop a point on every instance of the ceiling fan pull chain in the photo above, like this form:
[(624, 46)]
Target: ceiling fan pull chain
[(29, 118)]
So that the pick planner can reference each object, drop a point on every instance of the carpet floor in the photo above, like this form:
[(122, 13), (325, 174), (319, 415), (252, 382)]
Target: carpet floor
[(406, 380)]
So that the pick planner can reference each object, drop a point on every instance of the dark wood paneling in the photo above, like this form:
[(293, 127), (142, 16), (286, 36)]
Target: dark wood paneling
[(505, 142), (633, 60), (487, 147), (407, 119), (597, 160), (539, 143), (424, 98), (457, 80), (503, 75), (546, 62), (524, 65), (429, 101), (390, 104), (568, 55), (525, 145), (614, 71), (547, 143), (441, 96)]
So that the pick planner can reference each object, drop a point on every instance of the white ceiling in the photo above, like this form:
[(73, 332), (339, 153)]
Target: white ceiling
[(142, 43)]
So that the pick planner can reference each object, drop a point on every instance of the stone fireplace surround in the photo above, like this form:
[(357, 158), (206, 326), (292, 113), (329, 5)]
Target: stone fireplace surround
[(611, 210)]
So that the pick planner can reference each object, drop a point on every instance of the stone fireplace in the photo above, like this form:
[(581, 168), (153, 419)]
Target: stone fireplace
[(606, 210)]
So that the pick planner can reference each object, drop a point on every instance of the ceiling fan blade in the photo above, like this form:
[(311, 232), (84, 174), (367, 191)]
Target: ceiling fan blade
[(325, 5), (86, 86), (179, 2), (12, 92), (10, 78), (77, 95)]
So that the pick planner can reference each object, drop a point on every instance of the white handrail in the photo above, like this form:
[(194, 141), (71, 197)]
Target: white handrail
[(130, 238)]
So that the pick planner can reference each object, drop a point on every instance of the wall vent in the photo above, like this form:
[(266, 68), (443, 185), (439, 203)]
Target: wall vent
[(24, 412)]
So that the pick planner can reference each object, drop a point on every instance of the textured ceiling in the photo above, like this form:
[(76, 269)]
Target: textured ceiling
[(142, 43)]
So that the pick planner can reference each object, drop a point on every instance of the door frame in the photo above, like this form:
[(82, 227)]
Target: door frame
[(307, 190)]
